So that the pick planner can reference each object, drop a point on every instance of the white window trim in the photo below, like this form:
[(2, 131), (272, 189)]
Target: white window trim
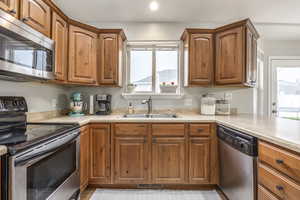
[(271, 76), (142, 95)]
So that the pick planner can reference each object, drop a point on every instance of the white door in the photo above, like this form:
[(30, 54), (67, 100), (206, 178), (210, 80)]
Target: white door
[(285, 88)]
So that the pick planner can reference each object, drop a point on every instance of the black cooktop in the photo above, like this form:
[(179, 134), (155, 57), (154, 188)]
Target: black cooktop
[(35, 134)]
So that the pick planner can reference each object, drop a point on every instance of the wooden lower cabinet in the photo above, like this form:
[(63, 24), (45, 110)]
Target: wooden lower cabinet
[(199, 160), (168, 160), (84, 157), (131, 160), (100, 154), (264, 194)]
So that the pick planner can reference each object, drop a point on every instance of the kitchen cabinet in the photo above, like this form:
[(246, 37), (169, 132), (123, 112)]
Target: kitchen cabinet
[(60, 36), (84, 157), (278, 172), (264, 194), (111, 57), (100, 154), (131, 154), (82, 56), (236, 46), (198, 57), (199, 160), (131, 160), (10, 6), (168, 160), (37, 14)]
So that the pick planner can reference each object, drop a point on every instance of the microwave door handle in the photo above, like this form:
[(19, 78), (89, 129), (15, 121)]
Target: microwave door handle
[(45, 150)]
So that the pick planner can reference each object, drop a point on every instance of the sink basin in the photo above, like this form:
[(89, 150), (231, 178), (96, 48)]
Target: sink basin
[(150, 116)]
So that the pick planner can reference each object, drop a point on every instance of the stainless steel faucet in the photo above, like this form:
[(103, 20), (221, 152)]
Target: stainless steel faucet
[(149, 103)]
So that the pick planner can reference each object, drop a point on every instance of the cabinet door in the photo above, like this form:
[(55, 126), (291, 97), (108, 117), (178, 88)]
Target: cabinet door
[(199, 160), (100, 153), (60, 36), (230, 56), (251, 60), (109, 59), (264, 194), (201, 59), (168, 160), (84, 157), (82, 56), (36, 14), (131, 157), (10, 6)]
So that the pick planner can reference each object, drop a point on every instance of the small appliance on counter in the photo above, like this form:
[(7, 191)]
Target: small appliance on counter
[(208, 105), (104, 104), (77, 105)]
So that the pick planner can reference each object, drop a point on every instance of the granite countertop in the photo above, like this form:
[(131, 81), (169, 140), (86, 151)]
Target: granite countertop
[(283, 132), (3, 150)]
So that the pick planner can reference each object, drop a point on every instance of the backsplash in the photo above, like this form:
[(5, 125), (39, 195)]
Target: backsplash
[(242, 99), (40, 97)]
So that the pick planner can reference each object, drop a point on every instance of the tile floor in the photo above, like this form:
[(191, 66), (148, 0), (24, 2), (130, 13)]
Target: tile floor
[(107, 194)]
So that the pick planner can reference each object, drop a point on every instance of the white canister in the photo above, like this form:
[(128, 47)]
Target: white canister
[(208, 105)]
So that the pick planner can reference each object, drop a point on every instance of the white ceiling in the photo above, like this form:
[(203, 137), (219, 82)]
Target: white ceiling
[(279, 17)]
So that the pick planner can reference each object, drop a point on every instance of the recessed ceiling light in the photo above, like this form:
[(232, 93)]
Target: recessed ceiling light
[(154, 6)]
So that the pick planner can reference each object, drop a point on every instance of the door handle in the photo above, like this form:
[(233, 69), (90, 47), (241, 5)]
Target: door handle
[(154, 140)]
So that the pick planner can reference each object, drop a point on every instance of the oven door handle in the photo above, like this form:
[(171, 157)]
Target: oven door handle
[(46, 149)]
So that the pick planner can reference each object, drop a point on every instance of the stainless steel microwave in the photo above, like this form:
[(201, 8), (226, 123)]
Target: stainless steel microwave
[(24, 52)]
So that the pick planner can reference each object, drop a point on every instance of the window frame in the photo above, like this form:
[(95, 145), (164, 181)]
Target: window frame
[(153, 46)]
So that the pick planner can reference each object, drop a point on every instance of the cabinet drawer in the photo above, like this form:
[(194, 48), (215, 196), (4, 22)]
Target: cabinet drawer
[(264, 194), (131, 129), (278, 184), (280, 159), (168, 129), (199, 130)]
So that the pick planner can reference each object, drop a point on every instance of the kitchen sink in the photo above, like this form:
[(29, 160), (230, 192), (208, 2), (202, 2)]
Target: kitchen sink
[(150, 116)]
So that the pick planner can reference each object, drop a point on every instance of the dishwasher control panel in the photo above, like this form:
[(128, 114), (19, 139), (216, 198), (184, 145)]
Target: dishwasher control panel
[(244, 143)]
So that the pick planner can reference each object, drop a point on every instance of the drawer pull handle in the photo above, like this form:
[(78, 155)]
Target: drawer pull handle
[(279, 187), (13, 11), (278, 161), (200, 130)]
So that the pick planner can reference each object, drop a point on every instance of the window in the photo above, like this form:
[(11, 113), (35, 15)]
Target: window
[(153, 68)]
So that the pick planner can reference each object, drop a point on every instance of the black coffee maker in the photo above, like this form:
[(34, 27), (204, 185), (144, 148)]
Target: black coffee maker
[(104, 104)]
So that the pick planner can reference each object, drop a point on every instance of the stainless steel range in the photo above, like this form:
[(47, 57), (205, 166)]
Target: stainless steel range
[(43, 159)]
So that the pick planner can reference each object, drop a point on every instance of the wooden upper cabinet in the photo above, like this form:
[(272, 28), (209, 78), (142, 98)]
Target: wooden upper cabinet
[(84, 157), (36, 14), (198, 57), (230, 68), (82, 56), (131, 160), (251, 58), (60, 36), (100, 154), (236, 54), (168, 160), (10, 6), (110, 58), (199, 160)]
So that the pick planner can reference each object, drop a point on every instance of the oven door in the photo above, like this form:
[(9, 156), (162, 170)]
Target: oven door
[(49, 172)]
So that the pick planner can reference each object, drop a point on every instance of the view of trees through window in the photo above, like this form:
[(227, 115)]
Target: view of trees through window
[(288, 92)]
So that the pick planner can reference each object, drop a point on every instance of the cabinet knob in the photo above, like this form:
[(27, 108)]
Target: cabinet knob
[(25, 19), (279, 161), (13, 11), (200, 130), (153, 140), (279, 187)]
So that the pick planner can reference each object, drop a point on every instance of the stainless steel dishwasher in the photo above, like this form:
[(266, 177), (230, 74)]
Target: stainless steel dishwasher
[(238, 164)]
